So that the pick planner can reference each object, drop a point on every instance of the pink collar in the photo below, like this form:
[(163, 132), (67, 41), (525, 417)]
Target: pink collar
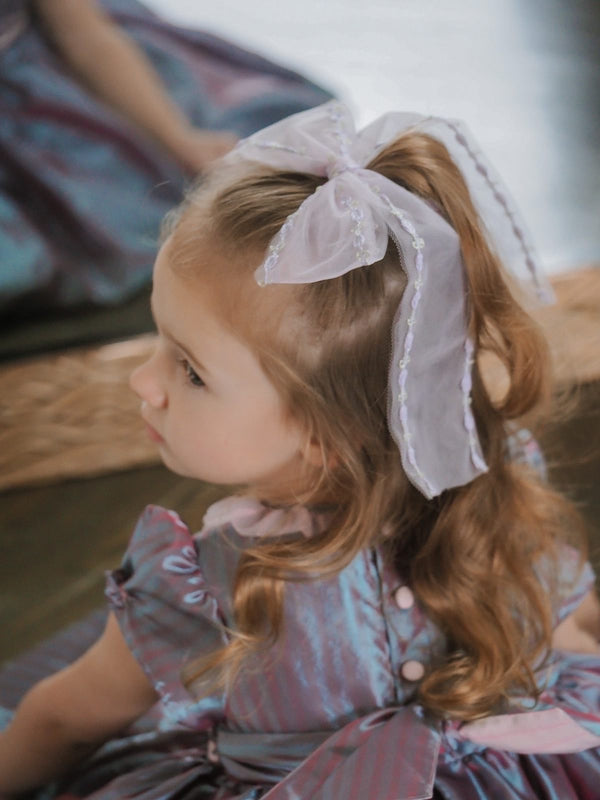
[(252, 518)]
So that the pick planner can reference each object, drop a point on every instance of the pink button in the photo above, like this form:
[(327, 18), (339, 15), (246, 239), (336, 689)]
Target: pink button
[(404, 598), (412, 670)]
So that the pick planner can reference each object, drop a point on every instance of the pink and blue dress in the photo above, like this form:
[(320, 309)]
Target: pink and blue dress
[(330, 712)]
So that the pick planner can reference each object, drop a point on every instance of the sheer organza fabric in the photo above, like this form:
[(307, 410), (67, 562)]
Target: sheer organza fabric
[(347, 223)]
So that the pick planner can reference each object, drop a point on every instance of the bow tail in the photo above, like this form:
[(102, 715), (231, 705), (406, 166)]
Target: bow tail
[(390, 754)]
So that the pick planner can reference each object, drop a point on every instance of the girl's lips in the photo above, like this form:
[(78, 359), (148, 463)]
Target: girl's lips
[(153, 434)]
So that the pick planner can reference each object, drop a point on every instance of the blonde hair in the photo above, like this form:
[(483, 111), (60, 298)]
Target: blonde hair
[(467, 554)]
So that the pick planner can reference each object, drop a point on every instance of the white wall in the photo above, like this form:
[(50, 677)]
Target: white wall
[(516, 77)]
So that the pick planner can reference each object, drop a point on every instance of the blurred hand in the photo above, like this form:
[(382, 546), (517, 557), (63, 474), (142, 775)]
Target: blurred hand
[(197, 148)]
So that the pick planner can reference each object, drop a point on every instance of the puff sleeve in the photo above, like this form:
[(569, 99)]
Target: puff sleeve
[(164, 607), (575, 580)]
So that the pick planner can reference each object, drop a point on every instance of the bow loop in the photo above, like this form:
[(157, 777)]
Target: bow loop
[(339, 228), (321, 143)]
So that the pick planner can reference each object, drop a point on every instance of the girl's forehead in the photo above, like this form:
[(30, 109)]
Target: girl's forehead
[(185, 314), (223, 281), (199, 257), (181, 293)]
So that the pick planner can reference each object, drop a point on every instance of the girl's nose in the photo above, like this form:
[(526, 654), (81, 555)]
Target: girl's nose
[(145, 382)]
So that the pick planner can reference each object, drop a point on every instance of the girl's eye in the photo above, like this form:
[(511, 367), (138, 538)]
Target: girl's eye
[(191, 373)]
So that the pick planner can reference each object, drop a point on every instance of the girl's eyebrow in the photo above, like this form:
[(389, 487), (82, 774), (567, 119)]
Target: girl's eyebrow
[(187, 353), (190, 357)]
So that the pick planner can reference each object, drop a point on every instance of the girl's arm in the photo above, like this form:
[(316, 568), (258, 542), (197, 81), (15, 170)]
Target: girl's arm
[(107, 61), (67, 716)]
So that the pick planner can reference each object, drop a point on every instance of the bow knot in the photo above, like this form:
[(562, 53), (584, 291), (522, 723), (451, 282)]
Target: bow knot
[(337, 166)]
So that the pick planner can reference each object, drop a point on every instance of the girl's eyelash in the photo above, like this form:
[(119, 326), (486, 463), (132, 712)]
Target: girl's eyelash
[(191, 374)]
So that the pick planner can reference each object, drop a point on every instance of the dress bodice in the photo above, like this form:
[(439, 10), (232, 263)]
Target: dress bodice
[(353, 642), (341, 678)]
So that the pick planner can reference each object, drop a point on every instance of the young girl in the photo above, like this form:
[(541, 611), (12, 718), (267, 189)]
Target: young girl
[(393, 607)]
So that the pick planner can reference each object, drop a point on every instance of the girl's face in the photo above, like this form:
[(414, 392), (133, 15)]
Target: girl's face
[(205, 399)]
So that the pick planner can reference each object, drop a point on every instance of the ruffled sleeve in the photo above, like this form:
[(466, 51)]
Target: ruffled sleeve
[(161, 599), (522, 448), (575, 580)]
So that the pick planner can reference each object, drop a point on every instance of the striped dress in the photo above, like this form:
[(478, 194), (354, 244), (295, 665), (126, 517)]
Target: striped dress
[(330, 712)]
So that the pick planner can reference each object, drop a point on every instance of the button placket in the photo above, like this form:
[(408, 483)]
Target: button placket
[(404, 598), (412, 670)]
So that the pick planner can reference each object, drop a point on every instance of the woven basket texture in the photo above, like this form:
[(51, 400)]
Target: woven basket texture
[(72, 415)]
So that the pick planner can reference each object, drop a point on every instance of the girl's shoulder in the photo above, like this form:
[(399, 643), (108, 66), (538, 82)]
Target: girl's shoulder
[(522, 448), (164, 555), (172, 594)]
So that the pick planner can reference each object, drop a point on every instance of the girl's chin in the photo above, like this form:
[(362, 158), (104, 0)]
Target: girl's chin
[(176, 467), (172, 465)]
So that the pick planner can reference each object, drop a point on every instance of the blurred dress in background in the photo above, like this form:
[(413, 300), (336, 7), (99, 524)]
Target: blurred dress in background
[(82, 189)]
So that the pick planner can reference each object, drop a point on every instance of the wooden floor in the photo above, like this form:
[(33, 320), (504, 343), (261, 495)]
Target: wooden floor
[(56, 541)]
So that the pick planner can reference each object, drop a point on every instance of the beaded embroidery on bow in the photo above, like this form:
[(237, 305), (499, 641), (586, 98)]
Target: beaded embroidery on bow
[(275, 248), (363, 254), (418, 244), (345, 162), (513, 217)]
